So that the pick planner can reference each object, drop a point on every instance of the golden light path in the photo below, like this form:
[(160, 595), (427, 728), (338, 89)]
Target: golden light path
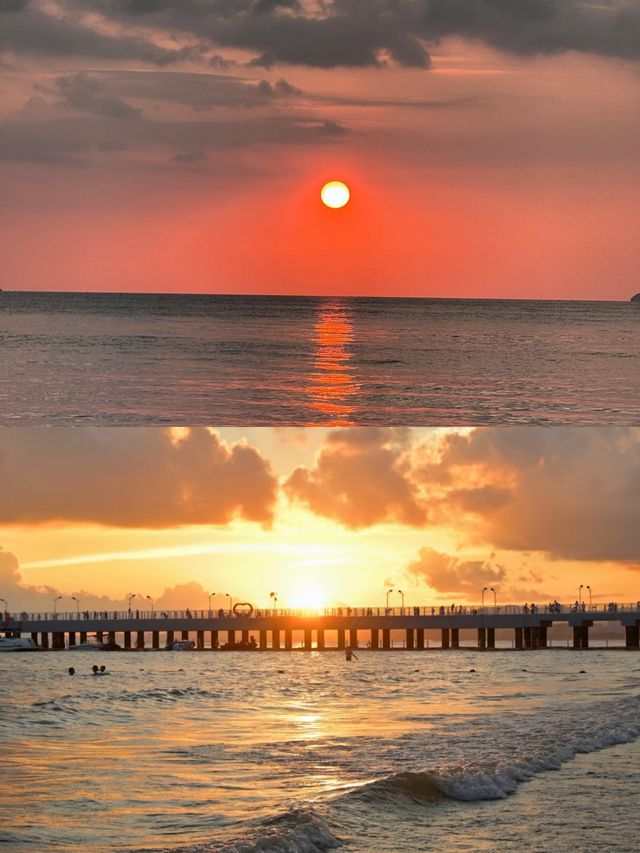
[(335, 194)]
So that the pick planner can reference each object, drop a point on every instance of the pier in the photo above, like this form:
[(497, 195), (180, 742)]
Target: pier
[(374, 628)]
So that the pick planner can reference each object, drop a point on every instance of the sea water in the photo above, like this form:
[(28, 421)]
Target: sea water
[(303, 752), (110, 359)]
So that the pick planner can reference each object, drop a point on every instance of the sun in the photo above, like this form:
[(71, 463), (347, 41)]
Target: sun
[(308, 596), (335, 194)]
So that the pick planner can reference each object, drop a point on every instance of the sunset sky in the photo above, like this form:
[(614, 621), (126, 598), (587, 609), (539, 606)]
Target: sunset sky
[(319, 516), (491, 146)]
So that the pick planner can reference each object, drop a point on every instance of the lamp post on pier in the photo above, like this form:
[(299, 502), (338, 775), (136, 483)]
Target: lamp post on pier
[(6, 606), (130, 597), (210, 596), (77, 601), (495, 602), (389, 591), (484, 589), (55, 601), (401, 598), (152, 607), (230, 603)]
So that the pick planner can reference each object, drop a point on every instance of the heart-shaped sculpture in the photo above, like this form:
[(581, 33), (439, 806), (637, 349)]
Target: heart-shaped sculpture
[(243, 608)]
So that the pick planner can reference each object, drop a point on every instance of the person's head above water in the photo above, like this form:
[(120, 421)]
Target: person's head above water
[(94, 667), (102, 668), (72, 671)]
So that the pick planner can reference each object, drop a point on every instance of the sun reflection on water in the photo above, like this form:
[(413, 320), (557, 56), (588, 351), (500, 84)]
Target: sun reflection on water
[(332, 387)]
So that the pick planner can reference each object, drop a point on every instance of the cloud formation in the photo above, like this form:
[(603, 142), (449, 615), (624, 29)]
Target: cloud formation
[(359, 479), (448, 574), (132, 478), (347, 33)]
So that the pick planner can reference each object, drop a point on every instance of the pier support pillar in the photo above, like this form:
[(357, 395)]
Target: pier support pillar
[(482, 638), (353, 638), (341, 642), (308, 644), (155, 639), (127, 639), (528, 638), (445, 638), (185, 635), (263, 639), (245, 636), (386, 638), (34, 637), (58, 640), (200, 639), (519, 638), (320, 638), (409, 638), (491, 638), (214, 640), (231, 636), (581, 637), (139, 639), (112, 637), (275, 639), (288, 639), (455, 638), (542, 637), (632, 636), (72, 638), (44, 640), (83, 636), (99, 636), (420, 638), (170, 637), (375, 638)]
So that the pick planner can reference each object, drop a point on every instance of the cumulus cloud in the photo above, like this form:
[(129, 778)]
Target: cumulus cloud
[(132, 478), (359, 478), (572, 493), (448, 574)]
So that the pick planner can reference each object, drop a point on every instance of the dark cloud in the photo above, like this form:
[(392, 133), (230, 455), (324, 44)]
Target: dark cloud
[(189, 157), (33, 30), (357, 33), (132, 478), (359, 479), (84, 93)]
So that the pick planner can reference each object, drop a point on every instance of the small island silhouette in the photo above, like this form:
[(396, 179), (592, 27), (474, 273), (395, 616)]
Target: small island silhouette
[(636, 298)]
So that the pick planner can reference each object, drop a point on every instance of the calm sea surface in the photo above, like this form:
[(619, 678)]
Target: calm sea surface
[(239, 360), (303, 752)]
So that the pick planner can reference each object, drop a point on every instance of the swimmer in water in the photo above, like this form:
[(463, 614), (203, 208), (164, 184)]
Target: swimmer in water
[(72, 671)]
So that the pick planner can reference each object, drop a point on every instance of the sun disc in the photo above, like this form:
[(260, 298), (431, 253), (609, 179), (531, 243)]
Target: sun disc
[(335, 194)]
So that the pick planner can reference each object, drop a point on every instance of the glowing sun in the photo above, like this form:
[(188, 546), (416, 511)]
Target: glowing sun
[(335, 194)]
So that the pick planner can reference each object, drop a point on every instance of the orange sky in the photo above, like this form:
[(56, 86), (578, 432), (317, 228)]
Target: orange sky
[(501, 170), (320, 516)]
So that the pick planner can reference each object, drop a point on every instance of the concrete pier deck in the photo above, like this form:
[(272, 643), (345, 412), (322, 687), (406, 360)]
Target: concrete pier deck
[(336, 628)]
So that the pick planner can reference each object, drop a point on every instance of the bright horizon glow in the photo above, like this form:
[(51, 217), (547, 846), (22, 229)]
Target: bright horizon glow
[(308, 595), (335, 194)]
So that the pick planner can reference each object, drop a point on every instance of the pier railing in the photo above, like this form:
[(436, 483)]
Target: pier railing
[(244, 612)]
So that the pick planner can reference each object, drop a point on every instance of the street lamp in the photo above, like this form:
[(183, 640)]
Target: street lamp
[(56, 599), (152, 607), (402, 597), (274, 597), (389, 591), (230, 601), (484, 589), (590, 598), (73, 598), (491, 589), (211, 594), (131, 596), (6, 606)]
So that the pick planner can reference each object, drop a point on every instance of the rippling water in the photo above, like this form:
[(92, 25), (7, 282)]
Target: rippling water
[(168, 359), (304, 752)]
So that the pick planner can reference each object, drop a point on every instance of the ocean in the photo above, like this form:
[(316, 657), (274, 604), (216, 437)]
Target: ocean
[(145, 359), (303, 752)]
